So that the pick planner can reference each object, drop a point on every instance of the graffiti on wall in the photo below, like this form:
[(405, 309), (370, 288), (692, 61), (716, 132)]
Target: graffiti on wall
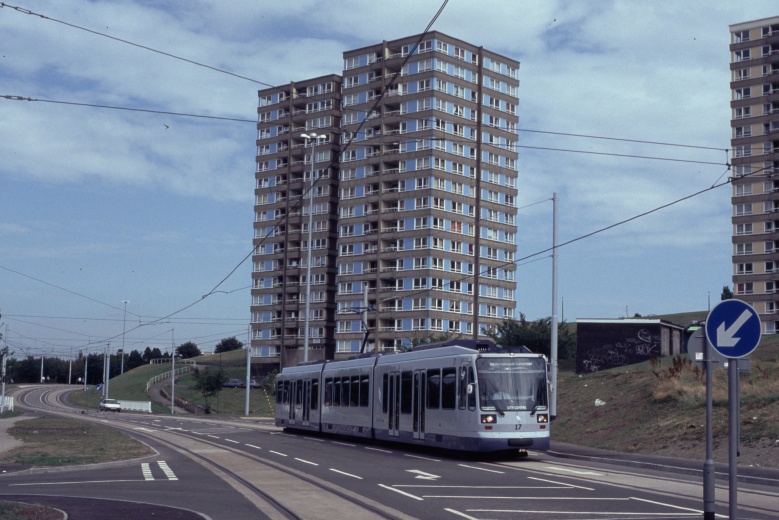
[(607, 346)]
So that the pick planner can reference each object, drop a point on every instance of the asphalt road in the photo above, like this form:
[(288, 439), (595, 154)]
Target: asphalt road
[(222, 468)]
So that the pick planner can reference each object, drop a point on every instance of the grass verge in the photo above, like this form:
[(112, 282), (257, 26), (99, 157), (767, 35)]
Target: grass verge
[(21, 511), (55, 441)]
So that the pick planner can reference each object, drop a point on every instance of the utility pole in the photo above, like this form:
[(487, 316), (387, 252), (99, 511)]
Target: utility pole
[(124, 326), (173, 373), (553, 351)]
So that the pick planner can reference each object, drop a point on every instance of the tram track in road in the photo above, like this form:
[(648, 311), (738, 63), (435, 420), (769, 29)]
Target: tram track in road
[(275, 489)]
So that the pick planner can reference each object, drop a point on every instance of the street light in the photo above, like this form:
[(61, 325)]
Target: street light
[(124, 325), (313, 138)]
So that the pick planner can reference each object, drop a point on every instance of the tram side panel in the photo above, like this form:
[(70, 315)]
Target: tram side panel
[(421, 400), (347, 398), (298, 398)]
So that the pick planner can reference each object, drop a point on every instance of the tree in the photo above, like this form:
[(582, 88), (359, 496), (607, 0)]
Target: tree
[(727, 294), (147, 355), (134, 360), (535, 335), (228, 344), (209, 384), (156, 353), (188, 350)]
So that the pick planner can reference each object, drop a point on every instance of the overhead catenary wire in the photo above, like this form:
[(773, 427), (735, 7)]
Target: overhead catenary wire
[(513, 147), (128, 42), (252, 121), (215, 288)]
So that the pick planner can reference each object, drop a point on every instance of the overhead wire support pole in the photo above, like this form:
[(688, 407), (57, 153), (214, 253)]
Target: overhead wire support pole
[(313, 138), (553, 349)]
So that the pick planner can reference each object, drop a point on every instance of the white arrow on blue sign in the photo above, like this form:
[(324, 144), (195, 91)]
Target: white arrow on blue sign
[(733, 328)]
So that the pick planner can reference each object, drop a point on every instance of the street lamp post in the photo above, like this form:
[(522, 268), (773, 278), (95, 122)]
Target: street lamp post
[(124, 327), (313, 138)]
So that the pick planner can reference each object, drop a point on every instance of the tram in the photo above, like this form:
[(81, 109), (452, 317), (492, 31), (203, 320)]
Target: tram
[(460, 395)]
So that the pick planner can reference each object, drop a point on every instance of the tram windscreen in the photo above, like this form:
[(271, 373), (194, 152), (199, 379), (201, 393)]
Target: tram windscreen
[(512, 383)]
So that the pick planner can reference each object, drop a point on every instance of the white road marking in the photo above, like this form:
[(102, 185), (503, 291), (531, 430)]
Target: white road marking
[(307, 462), (696, 511), (423, 475), (344, 444), (278, 453), (564, 484), (253, 446), (230, 440), (143, 429), (347, 474), (401, 492), (146, 470), (423, 458), (458, 513), (481, 469), (166, 469), (575, 471), (578, 514), (377, 449)]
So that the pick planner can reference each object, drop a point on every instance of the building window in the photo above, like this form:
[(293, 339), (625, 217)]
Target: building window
[(744, 229), (744, 288), (745, 249), (744, 209)]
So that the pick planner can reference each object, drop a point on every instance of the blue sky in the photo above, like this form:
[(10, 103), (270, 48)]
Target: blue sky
[(100, 206)]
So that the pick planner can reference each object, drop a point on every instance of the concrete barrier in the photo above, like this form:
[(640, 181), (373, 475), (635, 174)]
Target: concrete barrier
[(135, 406), (7, 404)]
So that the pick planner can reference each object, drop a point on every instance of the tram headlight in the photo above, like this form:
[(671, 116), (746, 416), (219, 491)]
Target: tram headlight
[(489, 418), (542, 418)]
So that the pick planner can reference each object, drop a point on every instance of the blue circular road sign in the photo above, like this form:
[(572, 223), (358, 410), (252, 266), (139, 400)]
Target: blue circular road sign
[(733, 328)]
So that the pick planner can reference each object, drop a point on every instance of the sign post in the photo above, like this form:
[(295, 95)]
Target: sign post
[(733, 329)]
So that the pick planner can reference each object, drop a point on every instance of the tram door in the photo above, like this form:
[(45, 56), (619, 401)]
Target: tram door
[(393, 404), (306, 390), (419, 402), (299, 402)]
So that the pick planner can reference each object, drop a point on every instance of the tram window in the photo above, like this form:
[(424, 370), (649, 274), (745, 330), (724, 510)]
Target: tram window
[(337, 391), (329, 391), (472, 395), (345, 391), (279, 392), (365, 390), (434, 388), (314, 394), (405, 392), (463, 388), (286, 392), (384, 392), (449, 388), (299, 393), (354, 400)]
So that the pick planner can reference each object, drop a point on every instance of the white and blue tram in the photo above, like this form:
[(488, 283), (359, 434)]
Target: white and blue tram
[(463, 395)]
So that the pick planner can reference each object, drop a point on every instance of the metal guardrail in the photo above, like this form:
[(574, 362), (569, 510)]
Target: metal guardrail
[(166, 375)]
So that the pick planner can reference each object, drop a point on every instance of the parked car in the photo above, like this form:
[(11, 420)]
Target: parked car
[(110, 405), (255, 384), (233, 383)]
